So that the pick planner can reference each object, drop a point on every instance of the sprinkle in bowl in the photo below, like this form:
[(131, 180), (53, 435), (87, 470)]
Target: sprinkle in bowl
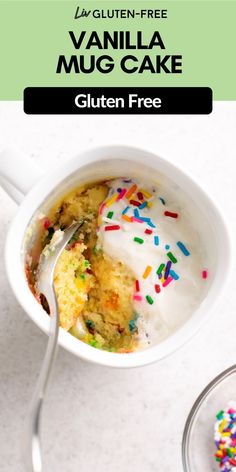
[(199, 451)]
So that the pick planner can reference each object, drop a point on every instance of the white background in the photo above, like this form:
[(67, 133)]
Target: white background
[(96, 418)]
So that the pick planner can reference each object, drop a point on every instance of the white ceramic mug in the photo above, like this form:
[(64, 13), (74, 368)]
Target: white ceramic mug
[(19, 177)]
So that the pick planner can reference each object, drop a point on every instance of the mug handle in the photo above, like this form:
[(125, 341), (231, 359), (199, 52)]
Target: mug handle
[(18, 173)]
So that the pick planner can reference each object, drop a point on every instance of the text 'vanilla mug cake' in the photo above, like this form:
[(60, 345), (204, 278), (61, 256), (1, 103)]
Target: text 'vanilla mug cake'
[(135, 270)]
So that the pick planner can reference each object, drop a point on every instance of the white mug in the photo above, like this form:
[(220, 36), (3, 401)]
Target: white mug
[(24, 182)]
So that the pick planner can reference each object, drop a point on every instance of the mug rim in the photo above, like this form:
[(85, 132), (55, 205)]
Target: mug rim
[(16, 276)]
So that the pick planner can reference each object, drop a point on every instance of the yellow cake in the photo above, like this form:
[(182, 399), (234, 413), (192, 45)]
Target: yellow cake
[(72, 284), (94, 291)]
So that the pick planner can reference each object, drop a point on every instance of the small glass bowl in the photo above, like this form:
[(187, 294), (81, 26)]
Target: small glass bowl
[(198, 446)]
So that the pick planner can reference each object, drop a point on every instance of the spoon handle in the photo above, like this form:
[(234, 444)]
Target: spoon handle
[(32, 443)]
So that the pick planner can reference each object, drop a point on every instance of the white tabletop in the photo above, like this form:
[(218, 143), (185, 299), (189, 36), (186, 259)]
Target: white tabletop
[(97, 418)]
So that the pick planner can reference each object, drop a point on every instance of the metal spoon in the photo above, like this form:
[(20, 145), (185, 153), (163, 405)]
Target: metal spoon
[(45, 286)]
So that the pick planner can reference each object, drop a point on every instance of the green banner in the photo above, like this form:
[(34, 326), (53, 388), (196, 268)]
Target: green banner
[(199, 35)]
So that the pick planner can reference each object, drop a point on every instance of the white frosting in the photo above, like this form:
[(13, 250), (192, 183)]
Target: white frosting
[(175, 303)]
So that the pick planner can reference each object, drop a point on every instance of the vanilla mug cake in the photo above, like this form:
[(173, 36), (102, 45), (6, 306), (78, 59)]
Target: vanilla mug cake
[(144, 271)]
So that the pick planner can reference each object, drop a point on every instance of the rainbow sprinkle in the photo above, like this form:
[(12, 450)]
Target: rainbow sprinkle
[(225, 438), (47, 223), (174, 275), (121, 193), (156, 240), (111, 200), (132, 326), (167, 281), (112, 227), (167, 269), (149, 299), (110, 214), (145, 219), (138, 240), (127, 218), (131, 191), (171, 214), (135, 203), (183, 248), (204, 274), (125, 210), (147, 272), (143, 205), (171, 257), (151, 224), (146, 193), (138, 220), (160, 269)]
